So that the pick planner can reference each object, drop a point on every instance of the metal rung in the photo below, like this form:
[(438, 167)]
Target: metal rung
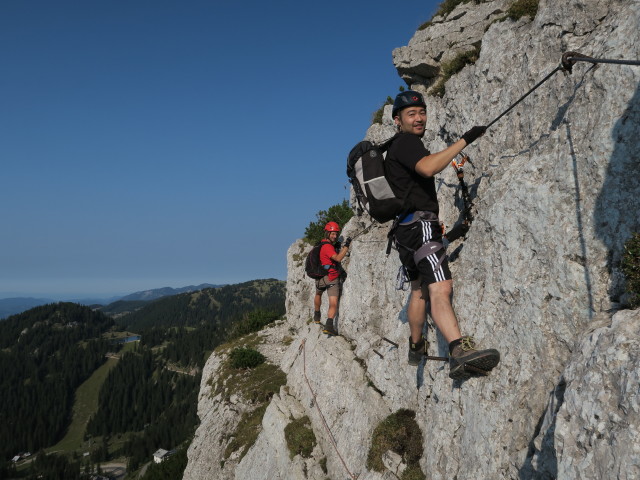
[(390, 341), (441, 359)]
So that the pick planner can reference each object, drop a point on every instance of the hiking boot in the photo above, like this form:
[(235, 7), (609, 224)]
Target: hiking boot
[(316, 317), (417, 351), (328, 327), (465, 354)]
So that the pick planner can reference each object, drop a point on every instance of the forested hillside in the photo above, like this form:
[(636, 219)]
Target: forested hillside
[(45, 354), (178, 333), (210, 306), (142, 395), (122, 307)]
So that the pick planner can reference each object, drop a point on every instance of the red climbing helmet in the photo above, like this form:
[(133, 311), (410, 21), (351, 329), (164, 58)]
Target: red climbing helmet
[(332, 227)]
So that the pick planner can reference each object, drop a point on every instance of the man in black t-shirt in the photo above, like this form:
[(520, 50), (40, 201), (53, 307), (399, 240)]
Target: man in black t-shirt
[(410, 169)]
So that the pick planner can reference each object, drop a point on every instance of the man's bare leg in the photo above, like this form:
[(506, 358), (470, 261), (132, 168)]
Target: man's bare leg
[(442, 310), (333, 306), (416, 311)]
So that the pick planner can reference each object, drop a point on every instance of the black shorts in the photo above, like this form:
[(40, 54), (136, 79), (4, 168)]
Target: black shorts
[(409, 238)]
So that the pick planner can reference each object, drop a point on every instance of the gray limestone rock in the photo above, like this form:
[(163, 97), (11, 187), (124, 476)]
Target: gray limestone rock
[(220, 415), (590, 427), (419, 62)]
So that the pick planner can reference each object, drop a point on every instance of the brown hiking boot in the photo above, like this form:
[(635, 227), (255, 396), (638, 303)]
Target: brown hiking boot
[(328, 327), (465, 355), (416, 351)]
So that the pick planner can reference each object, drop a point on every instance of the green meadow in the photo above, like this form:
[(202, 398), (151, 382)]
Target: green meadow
[(86, 404)]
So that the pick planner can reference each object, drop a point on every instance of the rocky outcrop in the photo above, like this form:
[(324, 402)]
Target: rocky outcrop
[(224, 404), (446, 36), (590, 427), (555, 196)]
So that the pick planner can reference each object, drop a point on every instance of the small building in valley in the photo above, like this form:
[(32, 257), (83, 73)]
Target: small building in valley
[(161, 455)]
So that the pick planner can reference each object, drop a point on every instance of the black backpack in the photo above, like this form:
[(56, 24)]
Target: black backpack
[(312, 264), (365, 169)]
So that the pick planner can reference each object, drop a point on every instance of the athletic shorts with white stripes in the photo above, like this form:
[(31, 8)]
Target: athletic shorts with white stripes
[(410, 238)]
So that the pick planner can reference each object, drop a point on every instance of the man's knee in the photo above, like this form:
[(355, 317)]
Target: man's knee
[(440, 290)]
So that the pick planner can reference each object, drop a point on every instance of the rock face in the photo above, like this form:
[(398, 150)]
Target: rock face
[(419, 62), (556, 195), (592, 419)]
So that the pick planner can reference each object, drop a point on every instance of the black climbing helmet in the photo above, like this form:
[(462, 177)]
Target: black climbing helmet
[(408, 98)]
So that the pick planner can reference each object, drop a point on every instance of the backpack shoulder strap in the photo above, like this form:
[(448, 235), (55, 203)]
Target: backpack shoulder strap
[(384, 146), (321, 244)]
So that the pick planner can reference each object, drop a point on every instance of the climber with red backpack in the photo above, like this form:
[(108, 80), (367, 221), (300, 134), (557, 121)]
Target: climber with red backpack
[(330, 276)]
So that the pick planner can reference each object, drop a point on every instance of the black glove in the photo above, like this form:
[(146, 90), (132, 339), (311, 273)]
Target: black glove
[(347, 242), (473, 134)]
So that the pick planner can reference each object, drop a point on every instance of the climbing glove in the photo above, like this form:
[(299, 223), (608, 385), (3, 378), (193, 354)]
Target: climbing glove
[(347, 242), (473, 134)]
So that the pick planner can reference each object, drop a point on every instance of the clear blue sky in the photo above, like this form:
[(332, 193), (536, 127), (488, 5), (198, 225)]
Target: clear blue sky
[(167, 143)]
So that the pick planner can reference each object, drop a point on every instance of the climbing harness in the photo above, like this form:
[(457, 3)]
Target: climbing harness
[(402, 279), (424, 251), (566, 64), (467, 204), (458, 166), (428, 248)]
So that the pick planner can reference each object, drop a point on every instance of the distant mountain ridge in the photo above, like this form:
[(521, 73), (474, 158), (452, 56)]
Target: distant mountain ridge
[(218, 305), (156, 293), (16, 305), (12, 306)]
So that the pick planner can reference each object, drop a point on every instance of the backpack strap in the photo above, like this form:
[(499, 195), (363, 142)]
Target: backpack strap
[(327, 267), (384, 146)]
